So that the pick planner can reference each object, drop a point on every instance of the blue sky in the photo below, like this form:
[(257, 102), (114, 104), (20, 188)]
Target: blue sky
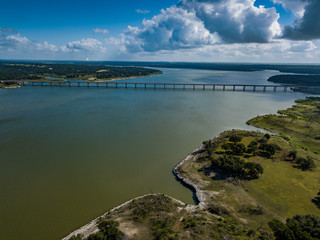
[(186, 30)]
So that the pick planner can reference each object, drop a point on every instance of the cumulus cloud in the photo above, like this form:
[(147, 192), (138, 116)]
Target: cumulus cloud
[(89, 44), (99, 30), (173, 28), (12, 44), (308, 26), (140, 11), (295, 6), (236, 21)]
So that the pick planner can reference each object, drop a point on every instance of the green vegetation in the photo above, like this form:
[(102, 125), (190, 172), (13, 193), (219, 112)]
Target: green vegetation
[(300, 227), (316, 200), (305, 80), (8, 85), (231, 166), (39, 71), (300, 124)]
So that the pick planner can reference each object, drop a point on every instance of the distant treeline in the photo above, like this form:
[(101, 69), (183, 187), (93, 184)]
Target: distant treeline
[(39, 70), (305, 80), (247, 67)]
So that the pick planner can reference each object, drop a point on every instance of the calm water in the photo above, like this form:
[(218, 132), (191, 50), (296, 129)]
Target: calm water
[(67, 155)]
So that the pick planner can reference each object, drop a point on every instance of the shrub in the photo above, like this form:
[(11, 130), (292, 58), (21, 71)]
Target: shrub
[(305, 163), (235, 138), (316, 200), (268, 149), (76, 237), (252, 147), (267, 136), (108, 231), (292, 155), (232, 166), (300, 227), (236, 149)]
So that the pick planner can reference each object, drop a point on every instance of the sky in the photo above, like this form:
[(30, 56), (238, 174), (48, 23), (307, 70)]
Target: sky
[(280, 31)]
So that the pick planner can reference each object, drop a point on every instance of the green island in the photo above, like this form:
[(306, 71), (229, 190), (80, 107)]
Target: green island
[(248, 185), (33, 71)]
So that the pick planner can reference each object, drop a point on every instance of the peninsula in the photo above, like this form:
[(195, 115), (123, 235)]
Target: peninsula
[(30, 71)]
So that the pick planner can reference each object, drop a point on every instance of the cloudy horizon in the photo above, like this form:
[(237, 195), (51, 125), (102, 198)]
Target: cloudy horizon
[(285, 31)]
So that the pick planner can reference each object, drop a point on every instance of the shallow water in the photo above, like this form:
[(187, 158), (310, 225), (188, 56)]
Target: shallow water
[(69, 154)]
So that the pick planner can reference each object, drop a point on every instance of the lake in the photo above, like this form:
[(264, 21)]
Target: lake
[(67, 155)]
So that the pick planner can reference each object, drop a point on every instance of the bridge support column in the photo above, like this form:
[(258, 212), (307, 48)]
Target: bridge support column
[(285, 88), (116, 85), (204, 87), (224, 87), (274, 88), (254, 88), (145, 86), (234, 87), (265, 88), (78, 84), (194, 86), (244, 88), (88, 84), (213, 87), (126, 85)]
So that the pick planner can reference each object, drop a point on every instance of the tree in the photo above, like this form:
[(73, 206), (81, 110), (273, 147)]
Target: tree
[(300, 227), (252, 147), (235, 138), (305, 163), (110, 230), (316, 200)]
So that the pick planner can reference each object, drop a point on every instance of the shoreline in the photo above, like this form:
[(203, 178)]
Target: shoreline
[(92, 226)]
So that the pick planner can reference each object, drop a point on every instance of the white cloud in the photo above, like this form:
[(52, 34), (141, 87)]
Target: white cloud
[(236, 21), (295, 6), (173, 28), (88, 44), (99, 30)]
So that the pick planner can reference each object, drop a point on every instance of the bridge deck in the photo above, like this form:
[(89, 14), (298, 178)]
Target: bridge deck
[(159, 85)]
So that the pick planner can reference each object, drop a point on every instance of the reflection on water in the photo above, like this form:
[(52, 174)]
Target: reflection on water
[(69, 154)]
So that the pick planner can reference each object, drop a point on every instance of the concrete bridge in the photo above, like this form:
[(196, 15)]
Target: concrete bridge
[(163, 85)]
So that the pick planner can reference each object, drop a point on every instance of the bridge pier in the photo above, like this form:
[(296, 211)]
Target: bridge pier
[(274, 88), (234, 88), (285, 88), (78, 84), (244, 88), (264, 88), (213, 87), (224, 87), (254, 88)]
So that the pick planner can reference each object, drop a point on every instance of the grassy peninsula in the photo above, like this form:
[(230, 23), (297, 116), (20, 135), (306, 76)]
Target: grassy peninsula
[(248, 185), (28, 71)]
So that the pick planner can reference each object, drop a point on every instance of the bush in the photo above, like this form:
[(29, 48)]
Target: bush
[(76, 237), (316, 200), (232, 166), (300, 227), (292, 155), (305, 164), (268, 149), (235, 138), (236, 149), (252, 147), (108, 231)]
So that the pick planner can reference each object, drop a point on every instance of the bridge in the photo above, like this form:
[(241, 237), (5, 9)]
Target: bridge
[(158, 85)]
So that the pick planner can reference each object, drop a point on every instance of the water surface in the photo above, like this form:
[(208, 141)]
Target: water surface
[(69, 154)]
